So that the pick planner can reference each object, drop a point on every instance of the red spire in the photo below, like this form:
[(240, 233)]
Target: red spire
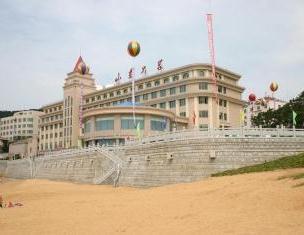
[(80, 60)]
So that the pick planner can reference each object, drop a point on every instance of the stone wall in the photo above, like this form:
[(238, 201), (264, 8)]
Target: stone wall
[(19, 169), (154, 164), (3, 166), (193, 159), (74, 168)]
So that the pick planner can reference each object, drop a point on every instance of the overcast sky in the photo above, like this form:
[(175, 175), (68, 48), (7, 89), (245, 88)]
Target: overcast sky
[(40, 41)]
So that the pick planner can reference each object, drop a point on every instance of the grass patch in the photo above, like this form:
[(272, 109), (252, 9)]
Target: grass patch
[(295, 161)]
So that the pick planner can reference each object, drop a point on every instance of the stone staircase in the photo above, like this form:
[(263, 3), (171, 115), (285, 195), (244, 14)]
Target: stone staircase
[(116, 161)]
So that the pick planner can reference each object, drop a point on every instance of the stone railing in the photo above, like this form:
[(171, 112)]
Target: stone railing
[(221, 133)]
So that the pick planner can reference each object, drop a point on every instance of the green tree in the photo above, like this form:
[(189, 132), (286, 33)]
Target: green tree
[(283, 115)]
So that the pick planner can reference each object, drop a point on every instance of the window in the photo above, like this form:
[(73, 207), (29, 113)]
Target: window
[(148, 84), (140, 86), (156, 83), (203, 100), (93, 99), (137, 98), (166, 80), (118, 93), (203, 113), (175, 78), (185, 75), (87, 127), (182, 102), (163, 93), (127, 122), (223, 103), (104, 124), (111, 94), (154, 105), (105, 96), (158, 124), (162, 105), (225, 116), (98, 97), (201, 73), (222, 89), (145, 96), (172, 104), (203, 86), (221, 116), (154, 95), (114, 103), (182, 114), (125, 91), (217, 75), (172, 91), (182, 88)]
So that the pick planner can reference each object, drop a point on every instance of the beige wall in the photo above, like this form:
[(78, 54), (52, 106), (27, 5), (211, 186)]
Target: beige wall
[(18, 148)]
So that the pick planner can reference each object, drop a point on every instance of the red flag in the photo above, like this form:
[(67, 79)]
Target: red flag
[(160, 65), (143, 70), (131, 73)]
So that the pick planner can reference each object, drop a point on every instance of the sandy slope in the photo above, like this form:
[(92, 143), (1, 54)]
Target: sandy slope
[(244, 204)]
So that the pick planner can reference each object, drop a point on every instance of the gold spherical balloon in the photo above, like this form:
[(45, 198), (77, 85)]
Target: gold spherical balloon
[(274, 86), (133, 48)]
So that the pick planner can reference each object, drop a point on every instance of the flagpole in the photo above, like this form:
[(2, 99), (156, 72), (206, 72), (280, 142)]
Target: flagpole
[(133, 95)]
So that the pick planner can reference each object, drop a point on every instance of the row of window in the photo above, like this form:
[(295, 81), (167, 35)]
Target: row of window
[(49, 146), (16, 126), (51, 135), (162, 93), (174, 78), (54, 109), (50, 127), (127, 123), (16, 120), (16, 132), (52, 118)]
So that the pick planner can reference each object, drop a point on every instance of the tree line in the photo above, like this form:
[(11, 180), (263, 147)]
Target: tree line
[(289, 114)]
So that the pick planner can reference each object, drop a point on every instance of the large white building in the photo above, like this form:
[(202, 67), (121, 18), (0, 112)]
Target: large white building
[(179, 98), (21, 125)]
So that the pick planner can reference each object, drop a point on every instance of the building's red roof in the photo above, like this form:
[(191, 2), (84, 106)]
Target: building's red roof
[(80, 60)]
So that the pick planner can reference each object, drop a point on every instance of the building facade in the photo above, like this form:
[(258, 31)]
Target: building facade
[(21, 125), (180, 98), (252, 109)]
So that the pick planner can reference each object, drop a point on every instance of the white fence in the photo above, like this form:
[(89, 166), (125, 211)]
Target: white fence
[(222, 133)]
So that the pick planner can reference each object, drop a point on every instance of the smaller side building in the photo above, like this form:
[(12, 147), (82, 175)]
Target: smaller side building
[(22, 125), (252, 109), (23, 148)]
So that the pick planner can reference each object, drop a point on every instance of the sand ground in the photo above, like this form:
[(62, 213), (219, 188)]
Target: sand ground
[(255, 203)]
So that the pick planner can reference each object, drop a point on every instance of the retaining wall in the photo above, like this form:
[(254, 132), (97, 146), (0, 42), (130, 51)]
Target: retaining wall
[(193, 159), (159, 163)]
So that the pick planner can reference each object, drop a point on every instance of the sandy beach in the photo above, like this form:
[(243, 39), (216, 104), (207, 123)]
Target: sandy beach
[(255, 203)]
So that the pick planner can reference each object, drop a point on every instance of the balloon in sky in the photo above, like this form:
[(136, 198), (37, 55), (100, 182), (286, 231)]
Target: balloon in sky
[(82, 68), (252, 97), (273, 86), (133, 48)]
